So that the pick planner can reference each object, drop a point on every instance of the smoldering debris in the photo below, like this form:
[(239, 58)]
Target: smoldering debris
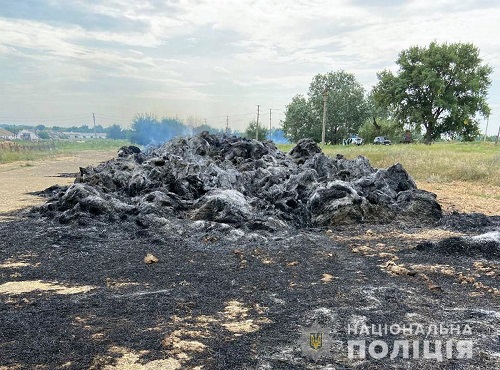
[(485, 245), (244, 183)]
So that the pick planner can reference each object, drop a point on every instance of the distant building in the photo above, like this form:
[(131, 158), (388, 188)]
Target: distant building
[(84, 135), (6, 135), (27, 135)]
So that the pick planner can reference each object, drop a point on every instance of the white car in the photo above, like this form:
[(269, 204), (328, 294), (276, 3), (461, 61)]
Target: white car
[(381, 140), (356, 140)]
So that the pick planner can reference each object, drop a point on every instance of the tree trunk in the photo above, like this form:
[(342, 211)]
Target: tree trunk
[(428, 134), (377, 126)]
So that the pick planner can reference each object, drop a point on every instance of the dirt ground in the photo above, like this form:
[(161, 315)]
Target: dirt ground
[(18, 179), (89, 297), (464, 196)]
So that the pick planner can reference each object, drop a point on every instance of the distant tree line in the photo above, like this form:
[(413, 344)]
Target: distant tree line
[(146, 129)]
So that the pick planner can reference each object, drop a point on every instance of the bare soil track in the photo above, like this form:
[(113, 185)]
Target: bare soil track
[(80, 296), (19, 179)]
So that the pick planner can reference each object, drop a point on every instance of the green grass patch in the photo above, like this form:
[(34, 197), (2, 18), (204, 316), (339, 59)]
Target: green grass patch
[(97, 144), (61, 147), (439, 162)]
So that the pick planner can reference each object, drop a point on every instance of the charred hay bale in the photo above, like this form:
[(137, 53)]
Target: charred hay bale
[(94, 205), (74, 194), (351, 170), (243, 150), (336, 203), (126, 151), (418, 207), (222, 205), (159, 202), (323, 166), (467, 221), (303, 150), (240, 181), (485, 245)]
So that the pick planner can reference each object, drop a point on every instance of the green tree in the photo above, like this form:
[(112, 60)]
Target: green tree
[(379, 123), (44, 135), (251, 130), (388, 128), (441, 88), (346, 105), (300, 121), (377, 114), (346, 109), (115, 132)]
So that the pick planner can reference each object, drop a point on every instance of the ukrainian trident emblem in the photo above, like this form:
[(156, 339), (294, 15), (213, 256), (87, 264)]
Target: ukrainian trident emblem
[(316, 340)]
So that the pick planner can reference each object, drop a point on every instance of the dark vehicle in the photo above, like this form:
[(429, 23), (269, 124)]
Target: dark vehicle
[(381, 140)]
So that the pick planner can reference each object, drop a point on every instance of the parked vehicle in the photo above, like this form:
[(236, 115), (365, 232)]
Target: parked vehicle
[(354, 139), (381, 140)]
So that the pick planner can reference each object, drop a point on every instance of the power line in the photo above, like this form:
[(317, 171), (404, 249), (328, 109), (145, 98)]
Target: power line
[(231, 115)]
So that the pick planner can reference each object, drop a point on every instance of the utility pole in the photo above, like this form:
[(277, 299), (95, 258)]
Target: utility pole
[(486, 131), (95, 132), (227, 125), (323, 132), (257, 128), (270, 125)]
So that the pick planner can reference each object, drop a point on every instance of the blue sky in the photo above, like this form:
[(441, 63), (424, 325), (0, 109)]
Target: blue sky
[(62, 60)]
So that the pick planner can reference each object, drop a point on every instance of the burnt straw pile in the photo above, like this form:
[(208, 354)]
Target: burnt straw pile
[(241, 182)]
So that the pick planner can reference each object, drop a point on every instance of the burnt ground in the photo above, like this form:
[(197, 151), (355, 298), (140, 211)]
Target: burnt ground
[(238, 300), (218, 253)]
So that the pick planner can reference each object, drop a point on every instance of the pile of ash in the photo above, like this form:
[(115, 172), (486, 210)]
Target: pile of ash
[(243, 183)]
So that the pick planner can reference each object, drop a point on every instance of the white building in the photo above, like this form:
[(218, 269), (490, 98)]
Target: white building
[(27, 135)]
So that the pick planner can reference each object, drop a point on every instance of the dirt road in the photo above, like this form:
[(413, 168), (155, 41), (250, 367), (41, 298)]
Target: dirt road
[(20, 178)]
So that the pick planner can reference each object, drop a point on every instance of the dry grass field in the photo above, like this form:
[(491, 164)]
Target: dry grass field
[(53, 149)]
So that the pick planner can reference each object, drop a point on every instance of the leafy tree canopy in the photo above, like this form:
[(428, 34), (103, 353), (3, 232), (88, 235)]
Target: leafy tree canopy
[(251, 131), (442, 88), (345, 113), (300, 120), (115, 132)]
